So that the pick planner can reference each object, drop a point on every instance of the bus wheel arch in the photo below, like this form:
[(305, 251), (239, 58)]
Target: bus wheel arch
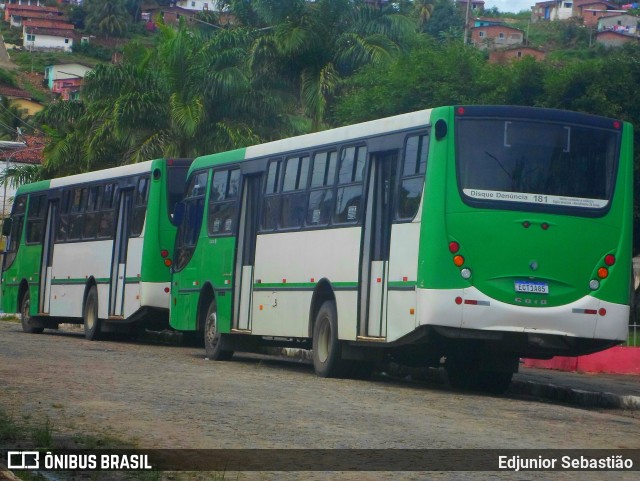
[(24, 306), (322, 293), (216, 344), (90, 318)]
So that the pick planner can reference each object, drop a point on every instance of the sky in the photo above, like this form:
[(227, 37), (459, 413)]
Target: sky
[(510, 5)]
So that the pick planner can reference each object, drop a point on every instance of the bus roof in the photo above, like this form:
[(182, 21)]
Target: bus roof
[(103, 174), (326, 137)]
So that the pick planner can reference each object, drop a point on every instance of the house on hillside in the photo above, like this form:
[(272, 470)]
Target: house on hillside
[(198, 5), (613, 39), (66, 79), (625, 24), (565, 9), (20, 99), (496, 36), (47, 35), (512, 54), (475, 7), (16, 14), (592, 12)]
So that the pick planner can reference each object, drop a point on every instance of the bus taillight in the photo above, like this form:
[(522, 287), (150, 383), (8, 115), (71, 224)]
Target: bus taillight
[(164, 253), (454, 247), (610, 259), (603, 273), (458, 261)]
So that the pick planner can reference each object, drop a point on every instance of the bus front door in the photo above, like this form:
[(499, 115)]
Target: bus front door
[(246, 253), (47, 257), (119, 257), (376, 245)]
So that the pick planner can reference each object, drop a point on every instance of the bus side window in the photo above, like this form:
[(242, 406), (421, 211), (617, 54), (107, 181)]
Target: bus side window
[(35, 219), (90, 230), (271, 201), (19, 207), (76, 217), (294, 195), (139, 206), (107, 214), (63, 219), (413, 171), (350, 184), (323, 176), (225, 188)]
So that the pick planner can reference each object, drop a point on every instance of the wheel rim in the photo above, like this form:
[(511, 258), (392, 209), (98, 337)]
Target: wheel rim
[(324, 338), (26, 306), (91, 315), (212, 319)]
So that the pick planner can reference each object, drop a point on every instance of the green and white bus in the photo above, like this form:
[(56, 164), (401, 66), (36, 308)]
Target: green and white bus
[(473, 234), (93, 248)]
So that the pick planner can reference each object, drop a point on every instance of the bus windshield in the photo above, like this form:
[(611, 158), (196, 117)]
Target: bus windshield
[(555, 165)]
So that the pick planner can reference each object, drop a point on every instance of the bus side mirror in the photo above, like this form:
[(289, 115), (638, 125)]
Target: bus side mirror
[(178, 214), (6, 226)]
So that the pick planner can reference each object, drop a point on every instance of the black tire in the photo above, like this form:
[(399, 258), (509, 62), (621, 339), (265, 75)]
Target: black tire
[(213, 340), (25, 317), (90, 316), (327, 351)]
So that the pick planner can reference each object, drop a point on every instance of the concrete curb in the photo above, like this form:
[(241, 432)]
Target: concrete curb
[(575, 396), (564, 394)]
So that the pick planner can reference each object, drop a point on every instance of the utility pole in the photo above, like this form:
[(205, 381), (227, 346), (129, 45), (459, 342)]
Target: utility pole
[(466, 23)]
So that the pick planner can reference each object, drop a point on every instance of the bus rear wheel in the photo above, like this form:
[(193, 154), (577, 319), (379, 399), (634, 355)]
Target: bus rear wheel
[(90, 316), (214, 340), (327, 352), (25, 316)]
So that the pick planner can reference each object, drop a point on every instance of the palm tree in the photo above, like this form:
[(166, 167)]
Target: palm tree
[(312, 46), (109, 17)]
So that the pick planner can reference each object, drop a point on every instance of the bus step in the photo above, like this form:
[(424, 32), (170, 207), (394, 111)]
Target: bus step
[(371, 339)]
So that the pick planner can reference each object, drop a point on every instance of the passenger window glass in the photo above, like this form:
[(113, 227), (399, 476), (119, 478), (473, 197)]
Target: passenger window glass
[(324, 169), (140, 206), (225, 189), (35, 219), (352, 162), (413, 176)]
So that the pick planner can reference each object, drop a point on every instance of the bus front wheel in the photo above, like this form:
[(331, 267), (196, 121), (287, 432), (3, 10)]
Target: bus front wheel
[(25, 316), (327, 354), (214, 340), (90, 315)]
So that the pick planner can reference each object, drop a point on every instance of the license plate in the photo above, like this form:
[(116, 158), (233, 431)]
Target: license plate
[(532, 287)]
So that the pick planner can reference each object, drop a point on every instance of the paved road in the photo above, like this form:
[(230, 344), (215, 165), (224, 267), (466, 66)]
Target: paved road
[(168, 396)]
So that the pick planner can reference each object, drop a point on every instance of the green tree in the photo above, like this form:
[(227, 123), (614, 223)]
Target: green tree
[(311, 47), (108, 17)]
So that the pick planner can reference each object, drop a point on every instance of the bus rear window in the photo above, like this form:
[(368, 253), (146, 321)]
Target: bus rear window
[(553, 165), (176, 177)]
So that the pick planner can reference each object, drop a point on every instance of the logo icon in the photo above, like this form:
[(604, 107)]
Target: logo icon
[(23, 460)]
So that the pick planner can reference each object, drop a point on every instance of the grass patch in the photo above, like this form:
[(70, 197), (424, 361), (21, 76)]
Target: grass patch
[(634, 338), (9, 430), (10, 318), (42, 434)]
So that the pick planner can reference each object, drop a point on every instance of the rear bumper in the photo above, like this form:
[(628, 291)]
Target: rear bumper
[(587, 318)]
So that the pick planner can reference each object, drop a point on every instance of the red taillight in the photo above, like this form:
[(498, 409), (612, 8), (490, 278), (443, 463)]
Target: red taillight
[(526, 224), (602, 312), (616, 125), (454, 247), (164, 253), (460, 110), (458, 300), (610, 259), (544, 226)]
